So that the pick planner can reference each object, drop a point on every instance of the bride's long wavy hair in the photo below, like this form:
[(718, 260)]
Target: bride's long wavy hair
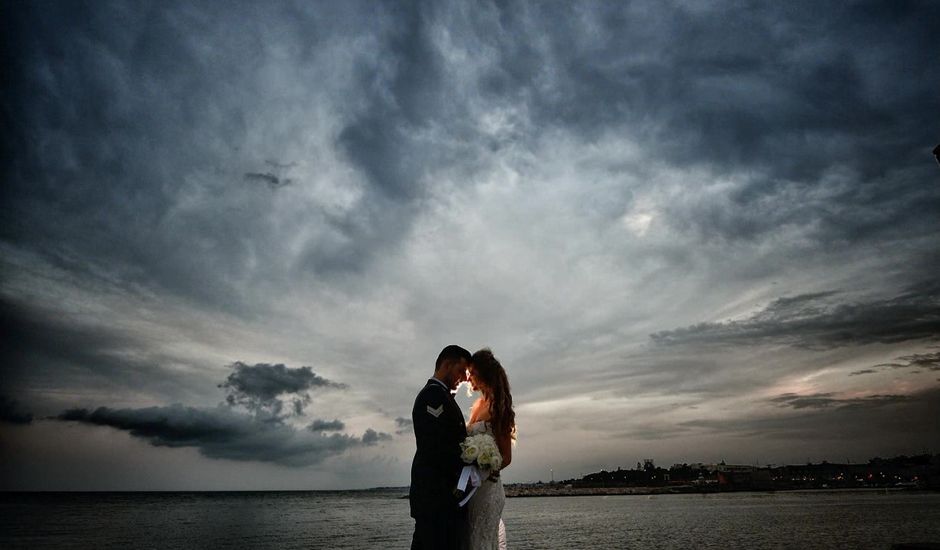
[(496, 391)]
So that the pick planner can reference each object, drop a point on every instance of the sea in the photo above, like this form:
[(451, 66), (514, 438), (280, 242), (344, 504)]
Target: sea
[(379, 520)]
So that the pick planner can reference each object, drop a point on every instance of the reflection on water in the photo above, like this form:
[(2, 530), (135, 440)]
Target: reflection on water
[(380, 520)]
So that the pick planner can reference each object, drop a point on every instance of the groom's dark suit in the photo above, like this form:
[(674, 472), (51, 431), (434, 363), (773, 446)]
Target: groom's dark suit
[(439, 429)]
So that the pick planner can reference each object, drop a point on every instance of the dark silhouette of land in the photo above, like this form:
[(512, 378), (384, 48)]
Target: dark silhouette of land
[(898, 473)]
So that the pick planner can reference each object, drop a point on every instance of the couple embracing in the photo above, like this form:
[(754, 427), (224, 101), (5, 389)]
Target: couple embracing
[(456, 492)]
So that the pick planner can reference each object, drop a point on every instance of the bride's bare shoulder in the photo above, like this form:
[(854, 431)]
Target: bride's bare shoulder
[(479, 411)]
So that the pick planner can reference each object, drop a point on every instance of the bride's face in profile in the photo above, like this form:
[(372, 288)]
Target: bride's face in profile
[(475, 383)]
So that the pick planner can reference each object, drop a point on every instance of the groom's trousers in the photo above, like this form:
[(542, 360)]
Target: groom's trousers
[(437, 532)]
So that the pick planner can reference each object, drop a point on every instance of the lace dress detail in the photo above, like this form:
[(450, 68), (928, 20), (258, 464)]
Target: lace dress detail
[(485, 529)]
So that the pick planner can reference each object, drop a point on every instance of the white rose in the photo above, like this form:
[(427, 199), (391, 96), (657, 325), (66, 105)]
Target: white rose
[(470, 452), (497, 462)]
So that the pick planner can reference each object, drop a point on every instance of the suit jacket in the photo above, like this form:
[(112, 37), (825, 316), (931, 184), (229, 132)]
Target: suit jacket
[(439, 429)]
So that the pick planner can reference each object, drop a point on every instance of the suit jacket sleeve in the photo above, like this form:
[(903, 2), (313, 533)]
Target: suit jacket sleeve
[(438, 436)]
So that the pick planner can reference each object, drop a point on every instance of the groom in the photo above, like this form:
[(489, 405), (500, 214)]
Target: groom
[(439, 429)]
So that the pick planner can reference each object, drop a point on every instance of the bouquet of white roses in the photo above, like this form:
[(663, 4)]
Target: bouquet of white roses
[(481, 455), (481, 450)]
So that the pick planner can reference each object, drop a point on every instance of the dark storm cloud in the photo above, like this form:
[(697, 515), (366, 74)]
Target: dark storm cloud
[(224, 432), (930, 361), (379, 141), (827, 400), (403, 425), (405, 97), (220, 433), (136, 108), (90, 87), (275, 178), (780, 91), (910, 419), (151, 113), (821, 321), (257, 387), (334, 425), (273, 181), (372, 437), (11, 412), (861, 372), (755, 85)]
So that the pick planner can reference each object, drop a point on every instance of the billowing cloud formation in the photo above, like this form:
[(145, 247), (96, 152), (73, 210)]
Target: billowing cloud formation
[(816, 321), (223, 432), (372, 437), (403, 425), (219, 433), (258, 387)]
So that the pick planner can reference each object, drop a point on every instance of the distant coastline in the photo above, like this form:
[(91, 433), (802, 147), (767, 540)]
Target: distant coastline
[(559, 490), (900, 472)]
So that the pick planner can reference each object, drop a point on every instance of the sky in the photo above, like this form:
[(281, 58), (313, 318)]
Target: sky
[(236, 235)]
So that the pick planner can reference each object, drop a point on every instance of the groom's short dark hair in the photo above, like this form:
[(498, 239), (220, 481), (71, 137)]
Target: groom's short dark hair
[(451, 353)]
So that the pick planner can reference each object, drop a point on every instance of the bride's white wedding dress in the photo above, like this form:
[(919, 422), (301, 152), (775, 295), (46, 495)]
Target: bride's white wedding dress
[(485, 529)]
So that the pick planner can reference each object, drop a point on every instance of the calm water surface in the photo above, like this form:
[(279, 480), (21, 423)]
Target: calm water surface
[(285, 520)]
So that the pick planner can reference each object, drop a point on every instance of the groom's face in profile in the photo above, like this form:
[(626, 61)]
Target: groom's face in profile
[(455, 373)]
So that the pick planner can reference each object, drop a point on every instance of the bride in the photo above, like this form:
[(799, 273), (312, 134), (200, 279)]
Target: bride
[(492, 413)]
